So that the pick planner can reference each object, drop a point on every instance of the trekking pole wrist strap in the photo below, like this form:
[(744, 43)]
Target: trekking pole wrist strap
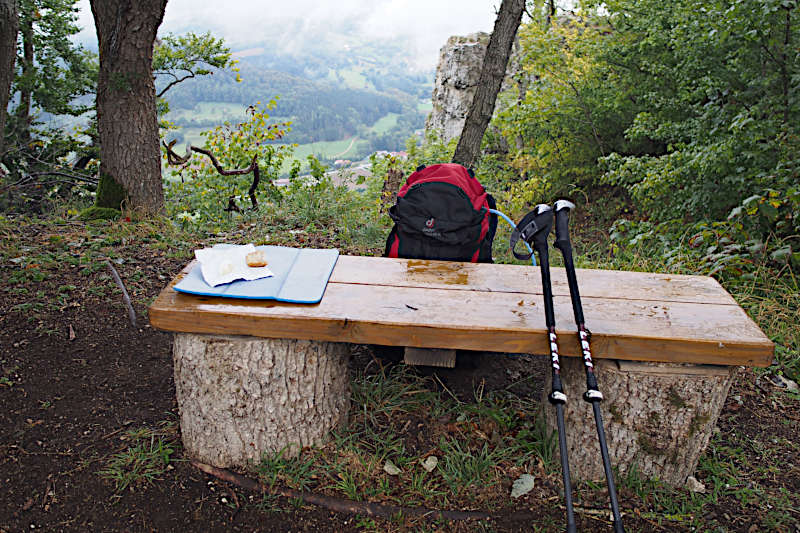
[(525, 230)]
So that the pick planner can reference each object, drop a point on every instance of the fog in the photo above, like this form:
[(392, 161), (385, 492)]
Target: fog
[(422, 26)]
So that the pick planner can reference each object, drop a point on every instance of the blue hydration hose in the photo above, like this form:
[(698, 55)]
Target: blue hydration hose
[(528, 246)]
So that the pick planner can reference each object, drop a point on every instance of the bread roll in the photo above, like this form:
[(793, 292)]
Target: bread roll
[(256, 259)]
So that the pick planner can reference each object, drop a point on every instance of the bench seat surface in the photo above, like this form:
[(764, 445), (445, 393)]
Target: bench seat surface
[(488, 307)]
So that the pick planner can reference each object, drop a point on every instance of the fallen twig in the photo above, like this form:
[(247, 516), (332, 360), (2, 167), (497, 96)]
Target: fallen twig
[(125, 297), (338, 504)]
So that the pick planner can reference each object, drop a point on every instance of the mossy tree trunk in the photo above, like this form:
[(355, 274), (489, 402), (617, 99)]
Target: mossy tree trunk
[(130, 164), (9, 26)]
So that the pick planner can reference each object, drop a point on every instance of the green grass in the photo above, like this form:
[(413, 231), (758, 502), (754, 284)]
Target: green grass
[(145, 461), (343, 149), (479, 446), (385, 123), (425, 106), (354, 79), (327, 149)]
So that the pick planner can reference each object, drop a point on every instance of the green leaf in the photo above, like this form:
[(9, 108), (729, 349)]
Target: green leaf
[(735, 212), (781, 254)]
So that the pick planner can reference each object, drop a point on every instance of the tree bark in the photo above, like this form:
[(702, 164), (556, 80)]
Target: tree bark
[(130, 164), (23, 111), (658, 417), (492, 74), (241, 397), (9, 26), (391, 186)]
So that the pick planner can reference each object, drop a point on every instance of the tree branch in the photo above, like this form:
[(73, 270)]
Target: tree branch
[(493, 70), (173, 83), (26, 181), (176, 160), (337, 504), (125, 297)]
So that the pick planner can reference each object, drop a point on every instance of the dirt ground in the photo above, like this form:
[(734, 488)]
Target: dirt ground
[(76, 376)]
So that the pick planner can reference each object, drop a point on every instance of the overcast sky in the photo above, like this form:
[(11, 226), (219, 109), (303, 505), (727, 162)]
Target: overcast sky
[(242, 23)]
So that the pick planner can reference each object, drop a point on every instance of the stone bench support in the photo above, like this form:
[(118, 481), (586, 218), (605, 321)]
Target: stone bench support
[(241, 397), (658, 417)]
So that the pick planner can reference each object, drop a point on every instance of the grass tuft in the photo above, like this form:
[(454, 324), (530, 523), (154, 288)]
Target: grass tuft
[(144, 461)]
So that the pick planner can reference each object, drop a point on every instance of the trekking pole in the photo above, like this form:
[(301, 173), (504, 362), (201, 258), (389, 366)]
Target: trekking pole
[(534, 228), (592, 394)]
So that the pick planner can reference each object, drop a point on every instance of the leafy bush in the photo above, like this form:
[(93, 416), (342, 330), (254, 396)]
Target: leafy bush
[(713, 84), (196, 192)]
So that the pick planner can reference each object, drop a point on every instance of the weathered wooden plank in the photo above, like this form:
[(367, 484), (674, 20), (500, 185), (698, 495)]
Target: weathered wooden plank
[(478, 320), (527, 279)]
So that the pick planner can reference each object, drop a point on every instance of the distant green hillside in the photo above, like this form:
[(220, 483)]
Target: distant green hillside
[(328, 96), (320, 112)]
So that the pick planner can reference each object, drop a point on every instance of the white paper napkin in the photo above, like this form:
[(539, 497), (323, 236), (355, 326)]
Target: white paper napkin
[(224, 263)]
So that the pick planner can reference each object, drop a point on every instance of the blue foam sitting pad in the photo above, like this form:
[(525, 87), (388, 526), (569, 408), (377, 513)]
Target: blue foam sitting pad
[(301, 275)]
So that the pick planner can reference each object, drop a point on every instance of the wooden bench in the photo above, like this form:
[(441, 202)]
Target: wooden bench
[(255, 376)]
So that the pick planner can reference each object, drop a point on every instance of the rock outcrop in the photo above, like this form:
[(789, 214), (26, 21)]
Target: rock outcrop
[(457, 75)]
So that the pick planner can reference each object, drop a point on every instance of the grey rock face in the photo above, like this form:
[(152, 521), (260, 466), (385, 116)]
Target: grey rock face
[(457, 74)]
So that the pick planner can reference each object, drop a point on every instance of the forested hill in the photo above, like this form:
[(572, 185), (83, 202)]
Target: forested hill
[(319, 111), (328, 96)]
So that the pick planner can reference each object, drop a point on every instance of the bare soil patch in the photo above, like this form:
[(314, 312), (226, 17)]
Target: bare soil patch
[(76, 378)]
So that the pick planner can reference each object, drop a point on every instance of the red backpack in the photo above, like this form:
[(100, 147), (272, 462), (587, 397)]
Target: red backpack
[(442, 212)]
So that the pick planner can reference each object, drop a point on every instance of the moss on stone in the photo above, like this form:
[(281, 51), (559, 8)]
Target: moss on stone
[(648, 446), (675, 398), (615, 415), (698, 421)]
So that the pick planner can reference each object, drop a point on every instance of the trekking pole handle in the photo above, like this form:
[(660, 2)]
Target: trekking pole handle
[(542, 225), (562, 209)]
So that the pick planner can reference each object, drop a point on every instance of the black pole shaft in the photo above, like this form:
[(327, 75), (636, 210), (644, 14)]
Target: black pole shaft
[(592, 394), (547, 289), (612, 490), (557, 396), (562, 446)]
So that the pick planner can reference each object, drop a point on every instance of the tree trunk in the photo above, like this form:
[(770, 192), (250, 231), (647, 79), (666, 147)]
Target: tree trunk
[(9, 26), (241, 397), (130, 164), (492, 74), (391, 186), (23, 111), (658, 417)]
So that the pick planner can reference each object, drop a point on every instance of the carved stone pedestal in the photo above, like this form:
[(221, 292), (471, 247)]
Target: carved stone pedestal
[(241, 397), (657, 416)]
